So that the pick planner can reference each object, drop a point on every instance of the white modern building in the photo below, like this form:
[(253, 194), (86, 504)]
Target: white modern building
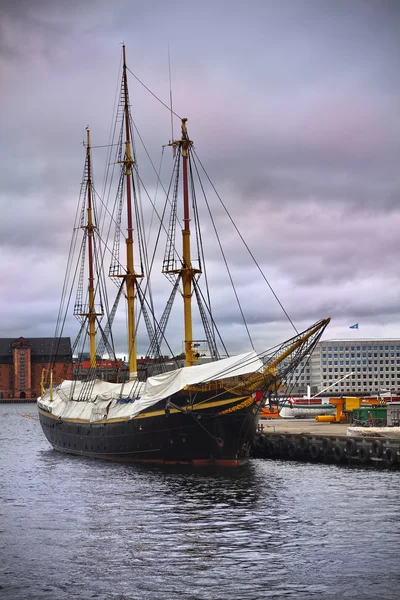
[(364, 366)]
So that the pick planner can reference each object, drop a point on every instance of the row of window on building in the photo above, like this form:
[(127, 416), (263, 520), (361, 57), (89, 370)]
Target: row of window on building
[(358, 369), (346, 348), (361, 355)]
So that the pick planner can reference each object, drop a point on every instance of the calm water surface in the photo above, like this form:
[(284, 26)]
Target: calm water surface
[(79, 528)]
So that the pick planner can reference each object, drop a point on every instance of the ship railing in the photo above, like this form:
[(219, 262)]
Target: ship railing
[(48, 382)]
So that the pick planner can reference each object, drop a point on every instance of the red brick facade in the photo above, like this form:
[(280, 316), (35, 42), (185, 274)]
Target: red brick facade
[(22, 362)]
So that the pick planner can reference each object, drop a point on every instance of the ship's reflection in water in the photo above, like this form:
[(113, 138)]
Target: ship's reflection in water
[(76, 528)]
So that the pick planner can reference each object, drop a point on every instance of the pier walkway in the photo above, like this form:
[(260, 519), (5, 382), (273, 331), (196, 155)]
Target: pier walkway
[(308, 441)]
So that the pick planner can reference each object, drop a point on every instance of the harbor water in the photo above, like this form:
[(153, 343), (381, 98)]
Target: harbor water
[(78, 528)]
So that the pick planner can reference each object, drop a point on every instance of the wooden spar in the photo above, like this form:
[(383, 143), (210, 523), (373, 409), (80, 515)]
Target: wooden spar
[(297, 343), (89, 228), (89, 311), (256, 381), (130, 277), (186, 271)]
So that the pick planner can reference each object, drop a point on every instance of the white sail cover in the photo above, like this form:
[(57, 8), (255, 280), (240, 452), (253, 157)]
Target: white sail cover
[(105, 398)]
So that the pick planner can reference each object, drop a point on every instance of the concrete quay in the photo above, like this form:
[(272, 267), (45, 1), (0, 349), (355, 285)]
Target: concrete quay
[(302, 426), (18, 401), (308, 441)]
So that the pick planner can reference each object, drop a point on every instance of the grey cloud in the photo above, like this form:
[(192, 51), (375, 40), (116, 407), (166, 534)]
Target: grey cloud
[(293, 108)]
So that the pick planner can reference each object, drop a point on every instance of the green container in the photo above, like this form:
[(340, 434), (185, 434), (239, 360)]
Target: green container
[(372, 413)]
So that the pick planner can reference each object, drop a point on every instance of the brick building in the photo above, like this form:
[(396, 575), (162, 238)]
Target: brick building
[(23, 360)]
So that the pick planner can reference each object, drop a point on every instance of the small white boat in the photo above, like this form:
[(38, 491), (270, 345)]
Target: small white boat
[(302, 411)]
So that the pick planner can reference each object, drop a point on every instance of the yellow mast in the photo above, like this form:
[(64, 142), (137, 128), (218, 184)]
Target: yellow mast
[(130, 276), (90, 227), (187, 272), (80, 308)]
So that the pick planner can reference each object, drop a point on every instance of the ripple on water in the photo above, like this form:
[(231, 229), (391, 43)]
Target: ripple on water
[(76, 528)]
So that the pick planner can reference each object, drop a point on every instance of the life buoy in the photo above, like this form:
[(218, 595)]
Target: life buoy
[(326, 445), (363, 455), (377, 448), (315, 451), (390, 457), (338, 453), (351, 447)]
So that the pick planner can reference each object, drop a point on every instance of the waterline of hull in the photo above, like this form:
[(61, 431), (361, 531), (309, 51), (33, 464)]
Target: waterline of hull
[(234, 462)]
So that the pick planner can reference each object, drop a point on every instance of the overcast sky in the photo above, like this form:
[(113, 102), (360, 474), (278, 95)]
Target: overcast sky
[(294, 108)]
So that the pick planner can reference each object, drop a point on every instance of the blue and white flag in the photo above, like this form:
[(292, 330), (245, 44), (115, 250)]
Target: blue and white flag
[(354, 326)]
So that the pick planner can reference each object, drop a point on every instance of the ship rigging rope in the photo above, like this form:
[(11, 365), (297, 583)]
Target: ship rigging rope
[(140, 181), (103, 146), (157, 324), (98, 253), (196, 417), (149, 266), (64, 302), (224, 257), (100, 279), (143, 247), (200, 251), (107, 248), (160, 217), (153, 94), (139, 220), (155, 197), (100, 282), (159, 182), (272, 353), (217, 440), (169, 108), (220, 199), (245, 243), (213, 323), (111, 137)]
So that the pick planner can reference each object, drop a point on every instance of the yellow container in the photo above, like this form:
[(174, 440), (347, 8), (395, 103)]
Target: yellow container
[(351, 403), (330, 418)]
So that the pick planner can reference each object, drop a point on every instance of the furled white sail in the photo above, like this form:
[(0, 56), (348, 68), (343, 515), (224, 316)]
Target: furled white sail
[(106, 400)]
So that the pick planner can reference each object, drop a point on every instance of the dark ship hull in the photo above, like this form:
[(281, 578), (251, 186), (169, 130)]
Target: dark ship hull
[(209, 432)]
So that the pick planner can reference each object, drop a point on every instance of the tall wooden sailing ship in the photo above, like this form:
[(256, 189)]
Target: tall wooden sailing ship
[(199, 413)]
